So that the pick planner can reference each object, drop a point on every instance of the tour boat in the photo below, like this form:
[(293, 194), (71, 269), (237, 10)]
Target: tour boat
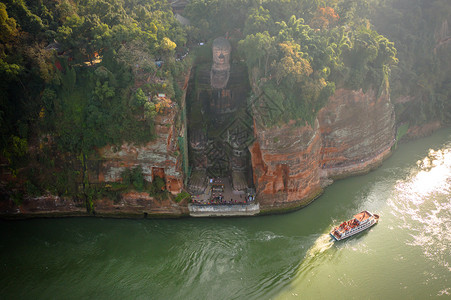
[(359, 223)]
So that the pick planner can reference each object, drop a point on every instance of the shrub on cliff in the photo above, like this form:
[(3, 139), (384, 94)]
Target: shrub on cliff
[(182, 196), (134, 178), (157, 186)]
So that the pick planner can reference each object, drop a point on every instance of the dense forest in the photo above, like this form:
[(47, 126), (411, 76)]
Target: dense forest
[(311, 47), (297, 52), (78, 74)]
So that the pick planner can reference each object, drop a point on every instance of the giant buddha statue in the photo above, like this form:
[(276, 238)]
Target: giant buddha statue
[(220, 96)]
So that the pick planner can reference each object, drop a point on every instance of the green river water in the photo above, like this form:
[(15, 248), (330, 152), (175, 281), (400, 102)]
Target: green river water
[(406, 256)]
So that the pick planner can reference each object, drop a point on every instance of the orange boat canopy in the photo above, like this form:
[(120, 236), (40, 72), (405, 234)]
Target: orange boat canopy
[(362, 216)]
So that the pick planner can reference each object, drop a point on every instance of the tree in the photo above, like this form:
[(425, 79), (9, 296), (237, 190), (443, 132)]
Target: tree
[(259, 20), (8, 29), (324, 18), (258, 48), (8, 32), (292, 65), (149, 110), (140, 98), (103, 91)]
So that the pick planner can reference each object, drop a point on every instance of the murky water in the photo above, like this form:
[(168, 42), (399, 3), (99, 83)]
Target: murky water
[(407, 255)]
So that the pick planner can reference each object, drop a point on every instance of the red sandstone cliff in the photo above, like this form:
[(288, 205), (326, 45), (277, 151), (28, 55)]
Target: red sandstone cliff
[(291, 163), (285, 165), (156, 158), (352, 134), (357, 132)]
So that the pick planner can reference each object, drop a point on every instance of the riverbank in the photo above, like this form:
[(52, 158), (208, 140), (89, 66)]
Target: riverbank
[(131, 205), (140, 205)]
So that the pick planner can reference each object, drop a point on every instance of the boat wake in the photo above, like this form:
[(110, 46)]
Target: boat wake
[(315, 256), (323, 243)]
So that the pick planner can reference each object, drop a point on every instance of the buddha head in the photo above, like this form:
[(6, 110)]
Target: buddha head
[(221, 54), (220, 70)]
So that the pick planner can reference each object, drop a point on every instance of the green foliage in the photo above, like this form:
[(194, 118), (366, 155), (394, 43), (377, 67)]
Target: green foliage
[(9, 70), (103, 92), (298, 67), (15, 152), (19, 146), (291, 68), (258, 49), (419, 30), (167, 45), (402, 130), (17, 197), (182, 196), (31, 189), (133, 178), (368, 58), (7, 24), (93, 112), (51, 173), (114, 191), (157, 186), (211, 18), (258, 20), (68, 79), (83, 97), (140, 98), (20, 11), (149, 110)]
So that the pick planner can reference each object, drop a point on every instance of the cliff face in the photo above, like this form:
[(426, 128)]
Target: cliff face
[(352, 134), (423, 124), (136, 204), (161, 157), (357, 132), (157, 158), (285, 164), (291, 163)]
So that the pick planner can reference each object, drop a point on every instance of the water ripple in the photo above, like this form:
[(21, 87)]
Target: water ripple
[(422, 205)]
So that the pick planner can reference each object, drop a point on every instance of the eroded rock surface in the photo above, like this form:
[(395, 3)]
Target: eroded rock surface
[(156, 158), (351, 135), (139, 204), (285, 164), (357, 132)]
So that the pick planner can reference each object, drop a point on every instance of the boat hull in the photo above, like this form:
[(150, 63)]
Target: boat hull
[(373, 220)]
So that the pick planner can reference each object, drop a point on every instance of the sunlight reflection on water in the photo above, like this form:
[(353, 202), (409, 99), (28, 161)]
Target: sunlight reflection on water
[(422, 203)]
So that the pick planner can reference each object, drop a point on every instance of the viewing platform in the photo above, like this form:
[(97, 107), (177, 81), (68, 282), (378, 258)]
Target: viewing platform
[(221, 199), (223, 210)]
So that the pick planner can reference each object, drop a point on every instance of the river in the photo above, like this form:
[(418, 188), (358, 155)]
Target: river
[(288, 256)]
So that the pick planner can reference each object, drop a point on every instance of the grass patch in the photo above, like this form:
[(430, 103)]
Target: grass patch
[(402, 130), (182, 196)]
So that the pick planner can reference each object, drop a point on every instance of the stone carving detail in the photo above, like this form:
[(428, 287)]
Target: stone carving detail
[(221, 127)]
